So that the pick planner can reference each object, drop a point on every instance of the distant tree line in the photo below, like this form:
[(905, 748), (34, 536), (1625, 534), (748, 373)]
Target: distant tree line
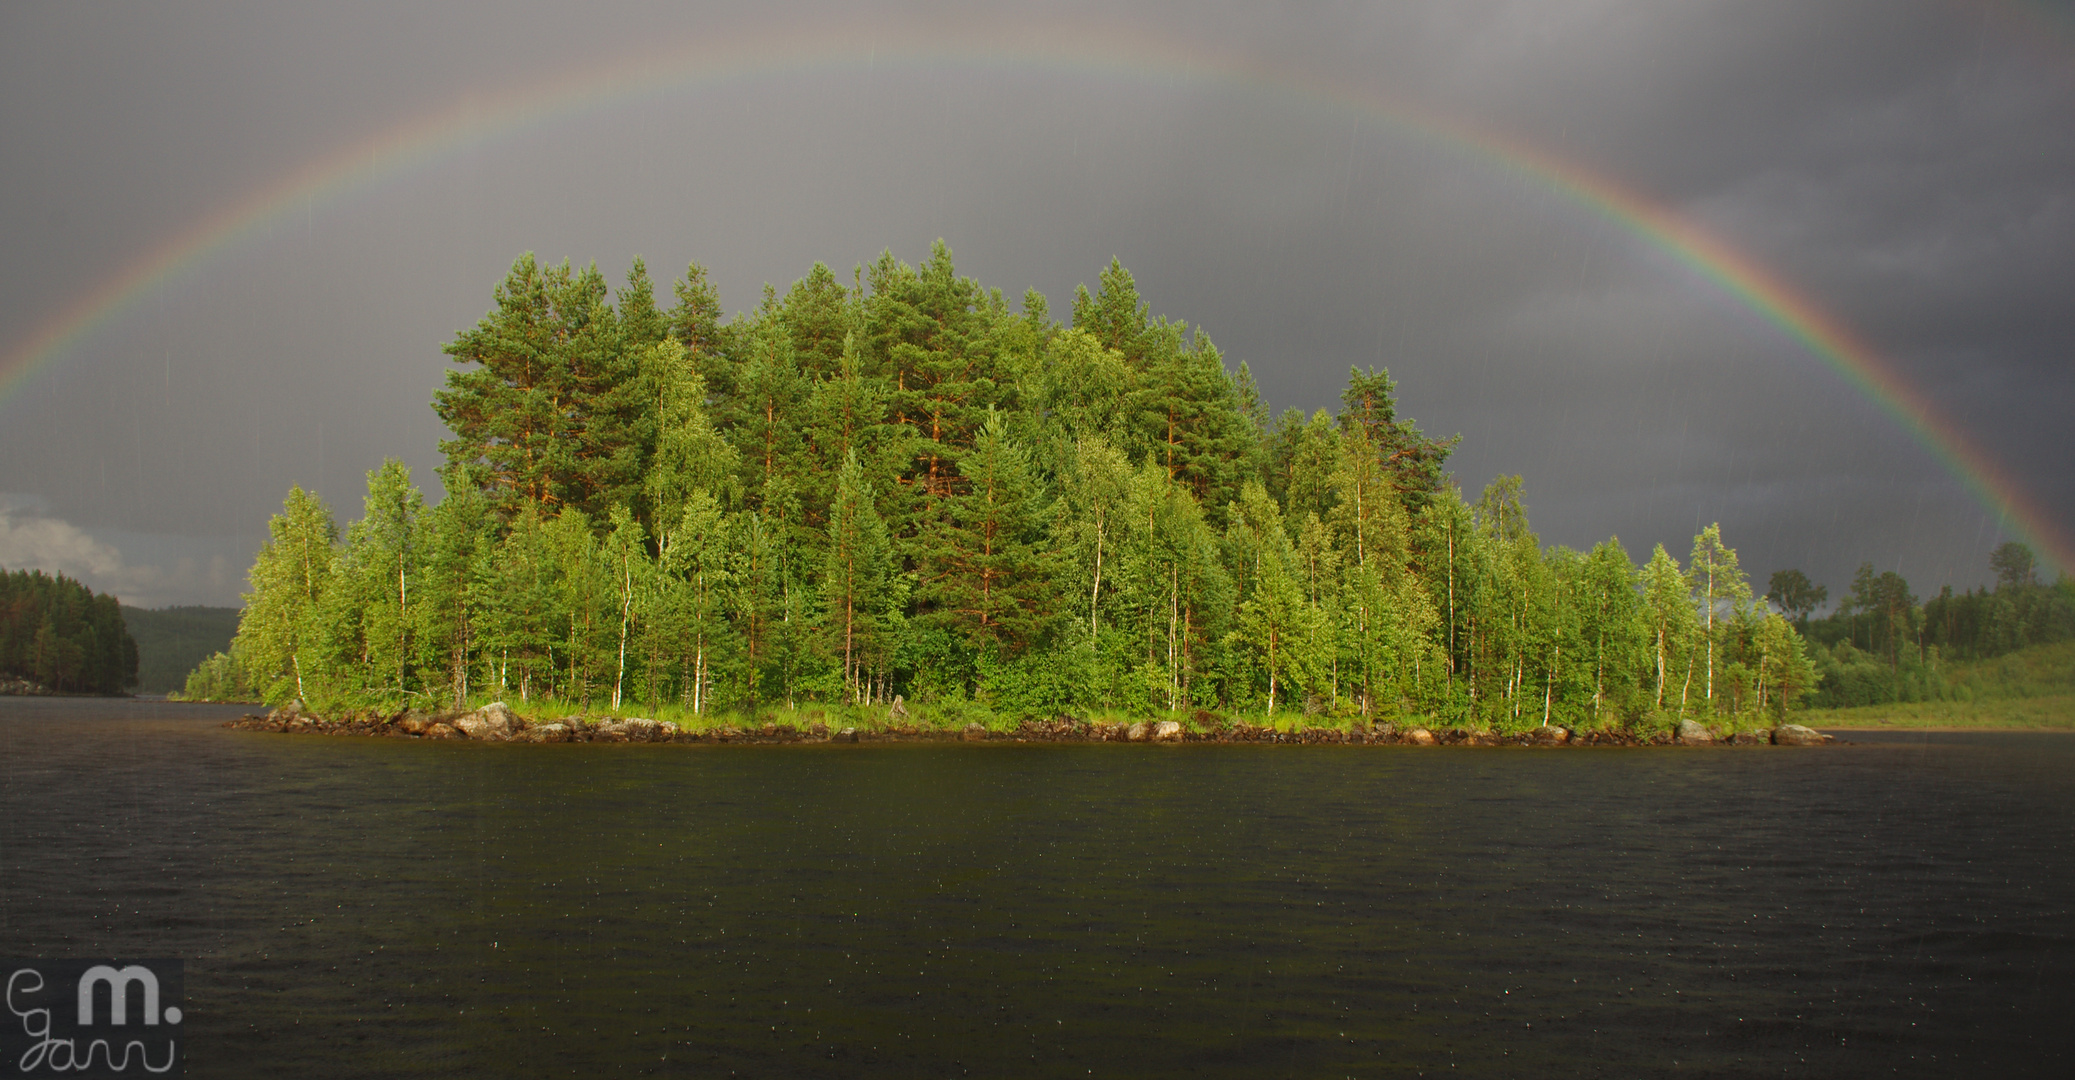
[(63, 636), (1881, 645), (171, 641), (901, 485)]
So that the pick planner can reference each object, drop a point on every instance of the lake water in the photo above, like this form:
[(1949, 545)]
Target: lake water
[(363, 907)]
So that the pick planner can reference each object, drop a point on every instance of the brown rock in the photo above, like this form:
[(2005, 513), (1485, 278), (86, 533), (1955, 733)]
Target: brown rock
[(1420, 736), (1167, 731), (973, 733), (441, 731), (1138, 732)]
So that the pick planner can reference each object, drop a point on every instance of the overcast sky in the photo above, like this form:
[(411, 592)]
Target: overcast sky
[(1906, 168)]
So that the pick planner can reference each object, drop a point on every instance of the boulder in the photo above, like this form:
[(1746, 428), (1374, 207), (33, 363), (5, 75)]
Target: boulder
[(848, 734), (475, 726), (1138, 732), (642, 729), (546, 733), (1549, 735), (501, 716), (1796, 735), (611, 731), (973, 733), (414, 724), (1167, 731), (1420, 736), (441, 731), (1691, 732)]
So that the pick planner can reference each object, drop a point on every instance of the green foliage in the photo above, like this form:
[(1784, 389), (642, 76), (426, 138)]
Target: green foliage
[(171, 641), (63, 636), (902, 488), (221, 676)]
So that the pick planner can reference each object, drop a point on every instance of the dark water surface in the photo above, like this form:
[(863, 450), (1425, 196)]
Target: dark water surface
[(371, 907)]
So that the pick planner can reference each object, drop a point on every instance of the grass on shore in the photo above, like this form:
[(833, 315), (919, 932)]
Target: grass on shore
[(2047, 713), (2030, 689)]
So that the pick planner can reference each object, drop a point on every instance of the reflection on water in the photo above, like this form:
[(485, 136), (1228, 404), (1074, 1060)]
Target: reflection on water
[(355, 907)]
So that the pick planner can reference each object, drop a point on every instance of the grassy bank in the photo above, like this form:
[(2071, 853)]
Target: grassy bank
[(2038, 713), (2029, 689)]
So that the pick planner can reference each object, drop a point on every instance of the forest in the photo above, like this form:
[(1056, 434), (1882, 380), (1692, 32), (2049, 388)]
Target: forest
[(62, 636), (904, 486), (1880, 645)]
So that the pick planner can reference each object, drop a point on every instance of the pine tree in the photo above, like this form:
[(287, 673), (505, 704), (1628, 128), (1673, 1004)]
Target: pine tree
[(1414, 461), (982, 581), (447, 602), (855, 571)]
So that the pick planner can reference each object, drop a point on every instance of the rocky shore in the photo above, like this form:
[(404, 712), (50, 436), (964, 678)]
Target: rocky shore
[(496, 722)]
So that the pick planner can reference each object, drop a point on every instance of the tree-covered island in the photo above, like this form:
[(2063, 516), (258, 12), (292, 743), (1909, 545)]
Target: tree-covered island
[(905, 487)]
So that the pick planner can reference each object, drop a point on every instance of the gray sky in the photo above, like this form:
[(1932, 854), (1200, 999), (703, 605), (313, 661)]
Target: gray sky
[(1906, 168)]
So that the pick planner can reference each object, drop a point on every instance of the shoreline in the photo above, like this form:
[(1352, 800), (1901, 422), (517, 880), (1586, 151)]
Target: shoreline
[(497, 723)]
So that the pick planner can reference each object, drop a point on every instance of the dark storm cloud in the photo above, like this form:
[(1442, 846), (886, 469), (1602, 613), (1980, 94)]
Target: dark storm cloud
[(1902, 166)]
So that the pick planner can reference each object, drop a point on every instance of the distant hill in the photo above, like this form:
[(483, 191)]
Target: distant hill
[(172, 641)]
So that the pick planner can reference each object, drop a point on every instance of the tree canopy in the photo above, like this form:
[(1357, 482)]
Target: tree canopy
[(63, 636), (904, 485)]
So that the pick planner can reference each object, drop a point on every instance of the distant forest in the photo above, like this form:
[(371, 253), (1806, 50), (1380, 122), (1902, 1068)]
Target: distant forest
[(62, 636), (1881, 645), (904, 485), (172, 641)]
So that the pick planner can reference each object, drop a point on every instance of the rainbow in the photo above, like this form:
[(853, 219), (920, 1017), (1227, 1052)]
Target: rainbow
[(474, 120)]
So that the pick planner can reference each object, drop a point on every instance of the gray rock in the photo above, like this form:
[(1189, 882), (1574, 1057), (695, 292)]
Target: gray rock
[(1548, 736), (1138, 732), (1691, 732), (973, 733), (1420, 736), (475, 727), (1796, 735), (441, 731), (642, 729), (1167, 731), (848, 734), (500, 715)]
